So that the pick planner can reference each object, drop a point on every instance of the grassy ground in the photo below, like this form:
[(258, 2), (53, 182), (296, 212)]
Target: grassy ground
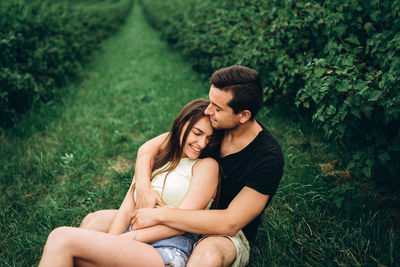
[(70, 158)]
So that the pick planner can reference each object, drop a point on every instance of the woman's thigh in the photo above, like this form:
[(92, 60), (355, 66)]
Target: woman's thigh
[(101, 249), (99, 220)]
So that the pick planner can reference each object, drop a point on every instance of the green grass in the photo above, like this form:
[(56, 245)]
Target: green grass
[(76, 155), (322, 217)]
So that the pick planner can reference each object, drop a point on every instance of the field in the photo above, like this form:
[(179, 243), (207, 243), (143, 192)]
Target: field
[(75, 154)]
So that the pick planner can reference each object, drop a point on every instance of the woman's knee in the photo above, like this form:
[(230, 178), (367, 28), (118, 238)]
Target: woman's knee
[(57, 239), (99, 220), (87, 220)]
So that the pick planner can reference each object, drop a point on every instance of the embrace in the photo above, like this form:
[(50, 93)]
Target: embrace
[(198, 192)]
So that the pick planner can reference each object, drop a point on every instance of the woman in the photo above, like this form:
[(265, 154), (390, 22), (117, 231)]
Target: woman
[(182, 179)]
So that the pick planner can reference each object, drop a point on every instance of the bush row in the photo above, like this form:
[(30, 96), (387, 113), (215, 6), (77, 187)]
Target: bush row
[(336, 61), (42, 43)]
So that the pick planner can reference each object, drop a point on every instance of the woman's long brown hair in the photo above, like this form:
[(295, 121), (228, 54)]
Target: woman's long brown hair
[(171, 154)]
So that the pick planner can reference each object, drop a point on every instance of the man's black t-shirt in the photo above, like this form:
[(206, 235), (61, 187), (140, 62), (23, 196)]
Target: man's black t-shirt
[(259, 166)]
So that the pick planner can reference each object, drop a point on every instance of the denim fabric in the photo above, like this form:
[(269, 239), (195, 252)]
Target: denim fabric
[(173, 257), (176, 250)]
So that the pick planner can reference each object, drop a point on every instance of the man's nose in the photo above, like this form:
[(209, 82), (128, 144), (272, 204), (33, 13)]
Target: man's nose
[(208, 111)]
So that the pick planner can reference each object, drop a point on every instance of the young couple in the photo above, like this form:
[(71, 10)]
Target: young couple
[(216, 155)]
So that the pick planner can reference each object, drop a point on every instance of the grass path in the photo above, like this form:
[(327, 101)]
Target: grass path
[(64, 161), (67, 159)]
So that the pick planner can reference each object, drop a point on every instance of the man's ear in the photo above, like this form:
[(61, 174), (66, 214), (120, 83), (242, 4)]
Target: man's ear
[(245, 115)]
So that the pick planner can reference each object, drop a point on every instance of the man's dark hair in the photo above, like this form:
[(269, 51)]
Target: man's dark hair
[(244, 84)]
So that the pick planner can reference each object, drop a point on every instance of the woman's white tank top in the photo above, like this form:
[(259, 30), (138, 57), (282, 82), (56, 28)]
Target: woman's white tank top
[(176, 185)]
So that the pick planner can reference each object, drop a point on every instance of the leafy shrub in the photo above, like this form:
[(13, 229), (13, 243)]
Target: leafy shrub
[(353, 85), (336, 61), (42, 43)]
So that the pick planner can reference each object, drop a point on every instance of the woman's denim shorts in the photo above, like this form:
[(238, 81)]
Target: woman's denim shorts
[(176, 250)]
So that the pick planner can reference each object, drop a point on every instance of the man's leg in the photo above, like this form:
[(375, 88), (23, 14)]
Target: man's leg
[(213, 251), (99, 220)]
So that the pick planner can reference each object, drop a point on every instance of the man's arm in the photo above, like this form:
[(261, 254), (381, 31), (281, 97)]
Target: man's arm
[(146, 197), (246, 206)]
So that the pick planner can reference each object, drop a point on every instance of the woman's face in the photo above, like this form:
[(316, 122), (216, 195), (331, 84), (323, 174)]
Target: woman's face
[(197, 139)]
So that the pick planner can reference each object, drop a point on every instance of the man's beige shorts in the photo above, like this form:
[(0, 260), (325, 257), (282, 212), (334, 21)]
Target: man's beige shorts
[(242, 248)]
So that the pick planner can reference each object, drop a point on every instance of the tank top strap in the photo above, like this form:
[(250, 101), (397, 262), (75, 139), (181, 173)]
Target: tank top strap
[(187, 162)]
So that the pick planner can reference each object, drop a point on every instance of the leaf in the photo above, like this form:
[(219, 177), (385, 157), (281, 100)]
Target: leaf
[(331, 110), (353, 39), (319, 71), (384, 157), (356, 112), (367, 172), (369, 162), (358, 155), (367, 110), (374, 95), (348, 62), (340, 29), (343, 86)]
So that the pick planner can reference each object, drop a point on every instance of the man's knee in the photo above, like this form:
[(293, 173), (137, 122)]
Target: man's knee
[(213, 251), (209, 258)]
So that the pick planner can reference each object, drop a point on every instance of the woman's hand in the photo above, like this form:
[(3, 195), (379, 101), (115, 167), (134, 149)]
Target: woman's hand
[(147, 197), (144, 218)]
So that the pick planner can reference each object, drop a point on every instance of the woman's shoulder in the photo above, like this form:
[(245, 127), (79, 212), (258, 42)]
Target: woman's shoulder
[(206, 163)]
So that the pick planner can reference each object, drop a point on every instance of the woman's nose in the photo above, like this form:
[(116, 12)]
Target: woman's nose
[(202, 142)]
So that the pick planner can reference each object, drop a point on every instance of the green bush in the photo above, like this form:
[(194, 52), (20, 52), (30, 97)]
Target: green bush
[(336, 61), (42, 43)]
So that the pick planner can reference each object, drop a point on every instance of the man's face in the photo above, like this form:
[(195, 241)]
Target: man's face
[(221, 115)]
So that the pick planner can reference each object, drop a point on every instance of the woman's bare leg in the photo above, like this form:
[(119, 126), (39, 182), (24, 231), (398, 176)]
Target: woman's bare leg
[(99, 220), (67, 244)]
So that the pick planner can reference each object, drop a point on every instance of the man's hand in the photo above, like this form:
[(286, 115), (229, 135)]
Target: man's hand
[(144, 218), (146, 197)]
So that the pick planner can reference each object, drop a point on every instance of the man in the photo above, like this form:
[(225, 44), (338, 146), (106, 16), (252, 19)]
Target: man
[(252, 164)]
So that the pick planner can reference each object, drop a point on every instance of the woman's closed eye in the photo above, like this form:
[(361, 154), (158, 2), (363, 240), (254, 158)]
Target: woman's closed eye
[(197, 132)]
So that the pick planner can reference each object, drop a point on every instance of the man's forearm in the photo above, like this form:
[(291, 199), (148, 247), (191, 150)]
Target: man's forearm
[(243, 209), (200, 221), (155, 233)]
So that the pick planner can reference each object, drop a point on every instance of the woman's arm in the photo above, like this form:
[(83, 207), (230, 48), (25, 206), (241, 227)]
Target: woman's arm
[(202, 189), (146, 197), (120, 222), (203, 186)]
